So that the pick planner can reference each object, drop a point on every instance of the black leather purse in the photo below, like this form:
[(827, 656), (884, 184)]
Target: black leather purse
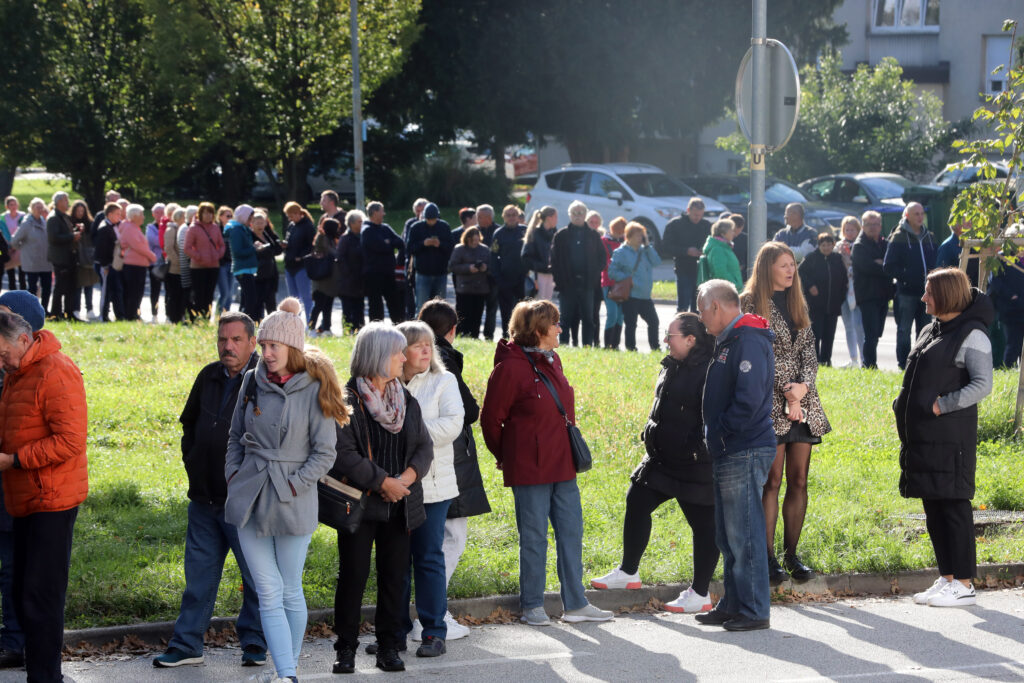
[(342, 506), (581, 458)]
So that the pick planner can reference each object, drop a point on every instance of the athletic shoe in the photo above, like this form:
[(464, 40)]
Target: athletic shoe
[(954, 594), (455, 629), (253, 655), (923, 597), (175, 657), (432, 647), (586, 613), (617, 578), (416, 634), (536, 617), (689, 602), (742, 623), (715, 617)]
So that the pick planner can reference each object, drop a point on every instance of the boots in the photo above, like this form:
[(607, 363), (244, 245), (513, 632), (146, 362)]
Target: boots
[(612, 336)]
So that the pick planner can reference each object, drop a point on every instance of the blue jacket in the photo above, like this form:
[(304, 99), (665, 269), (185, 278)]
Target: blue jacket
[(949, 252), (430, 260), (243, 249), (507, 266), (738, 390), (1003, 287), (379, 242), (625, 258), (909, 258)]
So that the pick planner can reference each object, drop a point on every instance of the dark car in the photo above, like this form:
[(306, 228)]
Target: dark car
[(856, 193), (734, 192)]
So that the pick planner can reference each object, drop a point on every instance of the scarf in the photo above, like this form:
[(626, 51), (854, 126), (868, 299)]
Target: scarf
[(388, 410), (549, 354)]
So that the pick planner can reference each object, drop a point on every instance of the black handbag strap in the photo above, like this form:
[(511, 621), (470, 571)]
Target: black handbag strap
[(551, 388)]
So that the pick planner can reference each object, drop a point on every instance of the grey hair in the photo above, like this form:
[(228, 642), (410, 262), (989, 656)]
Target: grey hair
[(12, 326), (870, 215), (374, 207), (59, 195), (722, 226), (485, 208), (591, 214), (420, 203), (577, 207), (190, 212), (352, 215), (178, 216), (134, 210), (796, 205), (36, 200), (416, 331), (229, 317), (375, 344), (722, 291), (695, 203)]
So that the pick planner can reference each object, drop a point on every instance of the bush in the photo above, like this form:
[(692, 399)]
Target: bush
[(447, 180)]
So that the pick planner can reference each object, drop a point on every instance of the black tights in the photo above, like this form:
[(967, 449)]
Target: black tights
[(797, 460), (641, 501)]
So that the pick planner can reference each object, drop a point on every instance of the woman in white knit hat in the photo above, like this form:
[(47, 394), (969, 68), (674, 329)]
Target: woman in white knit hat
[(282, 440)]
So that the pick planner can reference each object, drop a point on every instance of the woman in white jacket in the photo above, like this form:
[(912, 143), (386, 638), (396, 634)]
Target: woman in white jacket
[(437, 392)]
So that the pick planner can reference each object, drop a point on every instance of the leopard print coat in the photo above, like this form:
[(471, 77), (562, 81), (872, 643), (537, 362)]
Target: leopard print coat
[(795, 361)]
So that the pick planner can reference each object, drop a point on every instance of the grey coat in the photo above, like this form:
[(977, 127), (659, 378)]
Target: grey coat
[(467, 282), (289, 445), (31, 239)]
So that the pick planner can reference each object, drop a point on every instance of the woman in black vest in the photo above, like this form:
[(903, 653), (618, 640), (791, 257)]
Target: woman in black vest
[(677, 465), (949, 371)]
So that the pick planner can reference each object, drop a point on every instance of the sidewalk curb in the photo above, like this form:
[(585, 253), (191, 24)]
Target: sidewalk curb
[(900, 583)]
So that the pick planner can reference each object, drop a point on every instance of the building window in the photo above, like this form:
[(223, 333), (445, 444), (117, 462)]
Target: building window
[(997, 55), (904, 16)]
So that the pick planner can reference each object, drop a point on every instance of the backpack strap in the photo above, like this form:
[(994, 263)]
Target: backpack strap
[(249, 395)]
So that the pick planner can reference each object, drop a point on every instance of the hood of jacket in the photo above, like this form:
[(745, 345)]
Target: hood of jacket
[(980, 309), (44, 343), (507, 350), (905, 227)]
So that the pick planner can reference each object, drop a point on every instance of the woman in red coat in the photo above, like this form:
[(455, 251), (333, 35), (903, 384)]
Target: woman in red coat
[(527, 434)]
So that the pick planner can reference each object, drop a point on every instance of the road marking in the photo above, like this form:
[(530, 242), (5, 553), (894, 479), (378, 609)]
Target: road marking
[(1005, 666), (420, 666)]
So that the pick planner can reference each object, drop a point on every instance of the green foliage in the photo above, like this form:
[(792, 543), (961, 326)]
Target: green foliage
[(448, 180), (870, 121)]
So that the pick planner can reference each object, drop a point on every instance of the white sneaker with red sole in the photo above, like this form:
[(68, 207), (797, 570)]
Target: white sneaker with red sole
[(689, 602), (617, 578)]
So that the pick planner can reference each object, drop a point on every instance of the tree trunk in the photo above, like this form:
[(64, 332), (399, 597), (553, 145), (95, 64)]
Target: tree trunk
[(91, 189), (295, 171), (7, 181), (498, 151)]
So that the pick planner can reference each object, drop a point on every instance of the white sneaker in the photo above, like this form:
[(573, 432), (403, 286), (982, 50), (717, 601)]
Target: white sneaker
[(416, 634), (536, 617), (455, 629), (617, 578), (587, 613), (689, 602), (923, 597), (954, 594)]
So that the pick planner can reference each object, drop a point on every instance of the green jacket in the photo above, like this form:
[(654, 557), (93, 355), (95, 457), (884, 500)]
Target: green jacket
[(719, 262)]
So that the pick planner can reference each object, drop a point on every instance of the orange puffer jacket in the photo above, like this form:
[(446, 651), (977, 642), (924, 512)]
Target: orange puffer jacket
[(43, 419)]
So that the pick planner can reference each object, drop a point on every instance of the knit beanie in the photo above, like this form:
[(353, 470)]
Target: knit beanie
[(242, 214), (285, 325), (26, 305)]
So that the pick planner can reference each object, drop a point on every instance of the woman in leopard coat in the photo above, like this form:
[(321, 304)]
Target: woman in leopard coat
[(773, 292)]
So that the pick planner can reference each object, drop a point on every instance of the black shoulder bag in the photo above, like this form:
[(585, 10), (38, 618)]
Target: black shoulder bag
[(341, 506), (581, 457)]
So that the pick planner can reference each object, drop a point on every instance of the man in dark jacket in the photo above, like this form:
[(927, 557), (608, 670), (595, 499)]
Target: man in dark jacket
[(62, 253), (382, 251), (485, 222), (430, 243), (911, 254), (741, 439), (684, 236), (872, 287), (409, 290), (577, 259), (507, 264), (103, 240), (824, 281), (205, 422)]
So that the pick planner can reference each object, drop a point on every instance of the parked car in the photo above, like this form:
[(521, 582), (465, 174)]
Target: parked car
[(859, 192), (951, 175), (341, 179), (638, 192), (734, 192)]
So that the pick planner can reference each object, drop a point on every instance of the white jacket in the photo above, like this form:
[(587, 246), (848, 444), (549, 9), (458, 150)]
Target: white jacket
[(443, 413)]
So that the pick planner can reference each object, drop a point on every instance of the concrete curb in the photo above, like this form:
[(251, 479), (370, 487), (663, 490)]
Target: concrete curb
[(900, 583)]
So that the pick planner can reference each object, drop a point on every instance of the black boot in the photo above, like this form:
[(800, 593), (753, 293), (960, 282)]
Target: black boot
[(797, 569), (345, 663), (776, 574), (616, 336), (388, 660)]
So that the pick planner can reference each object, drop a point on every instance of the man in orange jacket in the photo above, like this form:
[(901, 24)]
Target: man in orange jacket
[(43, 425)]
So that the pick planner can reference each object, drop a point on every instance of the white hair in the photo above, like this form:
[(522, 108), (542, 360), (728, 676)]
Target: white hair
[(485, 208), (36, 200), (721, 291), (577, 208), (134, 210), (416, 331), (59, 195), (190, 212), (374, 207), (420, 203), (352, 215), (178, 215)]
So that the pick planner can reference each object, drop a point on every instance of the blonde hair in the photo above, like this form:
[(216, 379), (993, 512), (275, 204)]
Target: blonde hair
[(758, 291), (294, 207), (319, 367)]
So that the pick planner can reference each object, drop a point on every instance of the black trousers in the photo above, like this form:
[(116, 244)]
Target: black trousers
[(951, 527), (631, 308), (204, 283), (64, 291), (43, 281), (352, 312), (323, 307), (155, 285), (641, 501), (42, 558), (577, 307), (872, 314), (381, 288), (174, 302), (470, 308), (824, 328), (491, 311), (250, 300), (16, 277), (508, 297), (393, 557), (266, 291), (134, 280)]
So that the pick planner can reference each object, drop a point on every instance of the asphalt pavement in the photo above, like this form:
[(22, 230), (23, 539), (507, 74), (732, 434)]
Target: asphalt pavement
[(877, 639)]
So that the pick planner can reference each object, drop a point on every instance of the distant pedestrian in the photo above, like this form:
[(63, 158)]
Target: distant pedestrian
[(739, 241), (31, 241), (1006, 288), (469, 264), (61, 252), (637, 259), (244, 259), (383, 251), (325, 246), (800, 238), (537, 250), (12, 219), (104, 240), (174, 302), (137, 259), (577, 259), (430, 244), (717, 260), (872, 286), (350, 285), (613, 309), (153, 239), (409, 287), (204, 245), (268, 247), (226, 283), (824, 280), (682, 240), (909, 258), (298, 243), (86, 276), (507, 267), (852, 322), (485, 222)]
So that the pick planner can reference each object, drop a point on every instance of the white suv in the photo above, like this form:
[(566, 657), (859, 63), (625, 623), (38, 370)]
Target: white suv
[(637, 192)]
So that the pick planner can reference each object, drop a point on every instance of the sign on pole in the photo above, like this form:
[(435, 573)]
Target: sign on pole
[(783, 95)]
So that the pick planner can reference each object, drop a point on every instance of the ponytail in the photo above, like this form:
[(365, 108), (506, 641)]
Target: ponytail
[(320, 368)]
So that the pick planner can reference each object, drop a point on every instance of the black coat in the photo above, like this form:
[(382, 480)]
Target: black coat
[(594, 259), (266, 268), (870, 281), (300, 242), (60, 233), (680, 234), (350, 258), (507, 256), (677, 463), (537, 251), (205, 422), (472, 499), (828, 274), (938, 453)]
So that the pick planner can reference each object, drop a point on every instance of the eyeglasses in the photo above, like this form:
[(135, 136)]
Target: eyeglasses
[(675, 334)]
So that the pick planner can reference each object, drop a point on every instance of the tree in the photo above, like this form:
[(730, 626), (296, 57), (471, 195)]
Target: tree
[(872, 120)]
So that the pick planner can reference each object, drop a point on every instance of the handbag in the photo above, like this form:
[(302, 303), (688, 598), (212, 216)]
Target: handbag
[(118, 262), (581, 458), (317, 267), (621, 289), (341, 506)]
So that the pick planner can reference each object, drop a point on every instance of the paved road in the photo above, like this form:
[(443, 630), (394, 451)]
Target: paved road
[(878, 639)]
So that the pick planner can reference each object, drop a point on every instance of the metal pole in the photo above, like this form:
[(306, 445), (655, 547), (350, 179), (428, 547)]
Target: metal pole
[(357, 106), (757, 215)]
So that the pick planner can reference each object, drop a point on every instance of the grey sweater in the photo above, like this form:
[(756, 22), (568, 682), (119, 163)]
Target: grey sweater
[(975, 354), (32, 241), (289, 445)]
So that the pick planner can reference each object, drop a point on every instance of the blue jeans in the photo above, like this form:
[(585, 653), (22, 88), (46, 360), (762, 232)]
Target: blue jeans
[(535, 504), (854, 326), (909, 310), (11, 636), (686, 293), (614, 310), (872, 315), (428, 566), (225, 287), (276, 565), (301, 288), (206, 545), (428, 287), (740, 532)]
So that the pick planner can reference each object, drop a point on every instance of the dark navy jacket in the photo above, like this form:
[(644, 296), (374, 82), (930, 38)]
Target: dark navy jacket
[(738, 390), (1003, 287), (379, 243), (300, 242), (430, 260), (909, 258), (507, 256)]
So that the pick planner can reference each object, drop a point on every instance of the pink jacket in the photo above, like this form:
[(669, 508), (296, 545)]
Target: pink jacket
[(134, 245), (204, 245)]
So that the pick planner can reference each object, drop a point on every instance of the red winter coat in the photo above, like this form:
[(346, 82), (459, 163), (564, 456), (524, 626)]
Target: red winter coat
[(521, 423), (43, 419)]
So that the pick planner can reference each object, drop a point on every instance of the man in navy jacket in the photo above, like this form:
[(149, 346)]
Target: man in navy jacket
[(507, 264), (430, 243), (379, 244), (911, 254), (741, 440)]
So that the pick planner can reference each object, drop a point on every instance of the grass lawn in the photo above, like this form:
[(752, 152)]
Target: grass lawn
[(664, 289), (26, 189), (127, 558)]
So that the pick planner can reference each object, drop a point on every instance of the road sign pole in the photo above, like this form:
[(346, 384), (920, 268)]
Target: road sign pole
[(758, 211), (357, 106)]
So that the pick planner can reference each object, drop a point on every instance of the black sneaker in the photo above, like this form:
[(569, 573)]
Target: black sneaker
[(432, 647), (11, 659), (253, 655), (345, 662), (776, 574), (797, 569), (715, 617), (743, 623), (388, 660), (371, 648)]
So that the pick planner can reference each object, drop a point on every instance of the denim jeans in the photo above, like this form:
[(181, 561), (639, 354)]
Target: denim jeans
[(872, 314), (739, 530), (207, 542), (559, 502), (909, 310), (301, 288), (686, 293), (428, 287), (854, 326), (112, 296), (225, 288), (11, 636), (426, 546), (276, 566), (613, 310)]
